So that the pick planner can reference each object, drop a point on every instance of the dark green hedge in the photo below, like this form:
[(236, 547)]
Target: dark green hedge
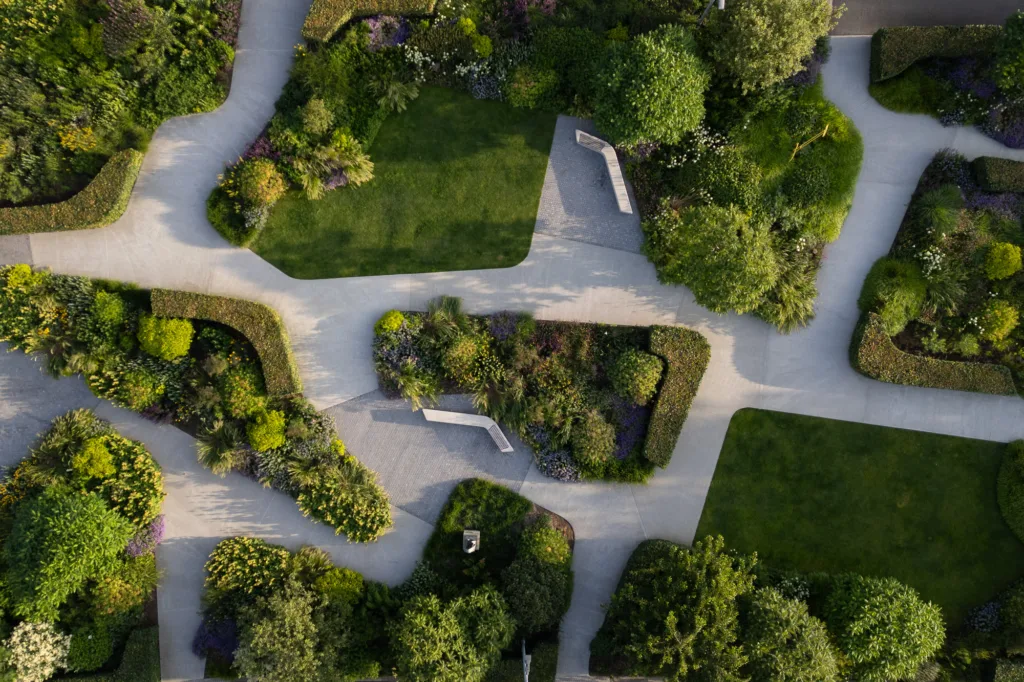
[(327, 16), (542, 666), (259, 323), (895, 49), (1010, 487), (140, 662), (999, 175), (874, 355), (102, 202), (686, 355)]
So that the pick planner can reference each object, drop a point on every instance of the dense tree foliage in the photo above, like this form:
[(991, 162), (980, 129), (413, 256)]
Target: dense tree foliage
[(784, 643)]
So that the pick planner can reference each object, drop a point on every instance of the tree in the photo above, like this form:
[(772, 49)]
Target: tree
[(59, 541), (652, 89), (278, 638), (457, 641), (726, 260), (675, 613), (758, 43), (883, 628), (538, 593), (784, 643)]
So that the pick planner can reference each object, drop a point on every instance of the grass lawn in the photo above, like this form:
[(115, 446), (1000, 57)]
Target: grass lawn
[(821, 495), (456, 187)]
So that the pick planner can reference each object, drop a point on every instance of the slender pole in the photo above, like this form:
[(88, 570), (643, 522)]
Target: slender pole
[(526, 664), (707, 10)]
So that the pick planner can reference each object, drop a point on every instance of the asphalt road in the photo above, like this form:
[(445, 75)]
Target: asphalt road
[(864, 17)]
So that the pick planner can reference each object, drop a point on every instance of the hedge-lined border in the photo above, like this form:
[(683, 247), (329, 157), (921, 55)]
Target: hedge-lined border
[(895, 49), (102, 201), (327, 16), (1009, 670), (874, 355), (140, 662), (687, 354), (259, 323), (999, 175), (1010, 488)]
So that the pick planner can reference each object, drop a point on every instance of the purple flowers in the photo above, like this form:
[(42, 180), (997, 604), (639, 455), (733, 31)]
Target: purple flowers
[(502, 325), (261, 148), (146, 540), (221, 637), (337, 179), (1006, 125), (559, 465), (228, 15), (632, 425), (387, 31), (1007, 203)]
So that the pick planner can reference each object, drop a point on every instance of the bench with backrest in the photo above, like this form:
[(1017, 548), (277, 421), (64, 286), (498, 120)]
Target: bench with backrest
[(478, 420), (611, 161)]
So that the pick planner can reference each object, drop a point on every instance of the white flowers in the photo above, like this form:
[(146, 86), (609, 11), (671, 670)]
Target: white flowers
[(37, 651), (931, 260)]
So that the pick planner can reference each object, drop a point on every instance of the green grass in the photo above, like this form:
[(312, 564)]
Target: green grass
[(456, 187), (816, 494), (911, 92)]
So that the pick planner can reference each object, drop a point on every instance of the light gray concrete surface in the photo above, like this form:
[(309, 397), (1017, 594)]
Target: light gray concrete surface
[(164, 240)]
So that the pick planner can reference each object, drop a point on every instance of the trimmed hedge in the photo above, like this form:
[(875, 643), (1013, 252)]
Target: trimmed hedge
[(1010, 487), (327, 16), (102, 202), (140, 662), (259, 323), (999, 175), (874, 355), (686, 355), (895, 49), (1009, 670)]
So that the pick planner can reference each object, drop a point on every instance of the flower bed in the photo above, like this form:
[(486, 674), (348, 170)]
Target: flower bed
[(327, 16), (203, 376), (79, 522), (999, 175), (579, 394), (267, 610), (942, 309)]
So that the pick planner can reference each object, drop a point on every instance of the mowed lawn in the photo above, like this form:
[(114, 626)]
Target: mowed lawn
[(456, 186), (822, 495)]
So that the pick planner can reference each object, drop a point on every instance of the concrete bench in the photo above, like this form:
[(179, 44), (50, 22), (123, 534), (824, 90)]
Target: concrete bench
[(478, 420), (611, 161)]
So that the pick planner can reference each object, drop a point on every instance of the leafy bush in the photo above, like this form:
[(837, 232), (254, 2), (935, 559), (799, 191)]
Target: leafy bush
[(136, 488), (137, 389), (91, 646), (652, 89), (531, 87), (883, 627), (165, 338), (537, 593), (593, 440), (686, 355), (1009, 670), (759, 43), (327, 16), (895, 290), (1011, 613), (278, 637), (1002, 260), (999, 175), (389, 322), (266, 430), (259, 181), (998, 319), (362, 512), (241, 389), (37, 650), (102, 202), (93, 460), (249, 566), (895, 48), (1010, 487), (874, 355), (784, 643), (1008, 64), (260, 324), (635, 375)]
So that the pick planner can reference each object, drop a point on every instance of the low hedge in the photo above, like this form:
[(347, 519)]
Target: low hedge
[(874, 355), (259, 323), (139, 663), (686, 355), (327, 16), (999, 175), (1009, 670), (102, 202), (1010, 487), (895, 49)]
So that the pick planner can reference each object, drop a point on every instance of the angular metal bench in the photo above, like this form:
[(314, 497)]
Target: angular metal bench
[(478, 420), (611, 161)]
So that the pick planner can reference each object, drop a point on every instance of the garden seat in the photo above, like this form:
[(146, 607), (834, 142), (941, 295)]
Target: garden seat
[(478, 420), (611, 161)]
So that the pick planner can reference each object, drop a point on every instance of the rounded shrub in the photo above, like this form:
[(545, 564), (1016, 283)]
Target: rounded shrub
[(138, 389), (91, 646), (242, 390), (93, 460), (460, 357), (531, 87), (967, 345), (635, 375), (259, 182), (389, 322), (544, 543), (1002, 260), (537, 593), (108, 311), (340, 584), (593, 439), (316, 117), (896, 290), (266, 430), (165, 338), (997, 320)]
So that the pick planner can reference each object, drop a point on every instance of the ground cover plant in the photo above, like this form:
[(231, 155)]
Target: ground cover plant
[(79, 522), (87, 79), (203, 376), (709, 612), (457, 183), (271, 614), (962, 75), (593, 401), (941, 309)]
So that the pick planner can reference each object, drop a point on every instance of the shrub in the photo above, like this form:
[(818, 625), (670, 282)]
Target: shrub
[(241, 389), (266, 430), (652, 89), (135, 490), (1010, 487), (246, 565), (93, 460), (543, 543), (894, 49), (999, 175), (895, 290), (316, 119), (327, 16), (530, 87), (1002, 260), (1008, 63), (278, 638), (1011, 613), (593, 439), (37, 650), (686, 355), (127, 587), (99, 204), (58, 542), (90, 648), (883, 627), (997, 320), (389, 322), (537, 593), (1009, 670), (340, 584), (165, 338), (759, 43), (361, 512), (259, 182), (108, 313), (635, 375), (138, 388), (967, 345), (260, 324), (784, 643), (874, 355), (141, 659)]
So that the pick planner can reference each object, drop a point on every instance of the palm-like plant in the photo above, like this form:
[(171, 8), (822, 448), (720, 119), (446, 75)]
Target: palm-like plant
[(395, 95), (220, 447), (445, 318), (416, 385), (56, 345), (311, 172)]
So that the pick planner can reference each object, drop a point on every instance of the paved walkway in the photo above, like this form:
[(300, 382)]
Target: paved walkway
[(164, 240)]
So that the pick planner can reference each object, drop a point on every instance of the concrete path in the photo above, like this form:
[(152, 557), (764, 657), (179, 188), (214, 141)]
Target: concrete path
[(164, 240)]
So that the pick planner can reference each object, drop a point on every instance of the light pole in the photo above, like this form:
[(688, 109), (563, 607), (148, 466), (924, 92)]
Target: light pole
[(707, 10)]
